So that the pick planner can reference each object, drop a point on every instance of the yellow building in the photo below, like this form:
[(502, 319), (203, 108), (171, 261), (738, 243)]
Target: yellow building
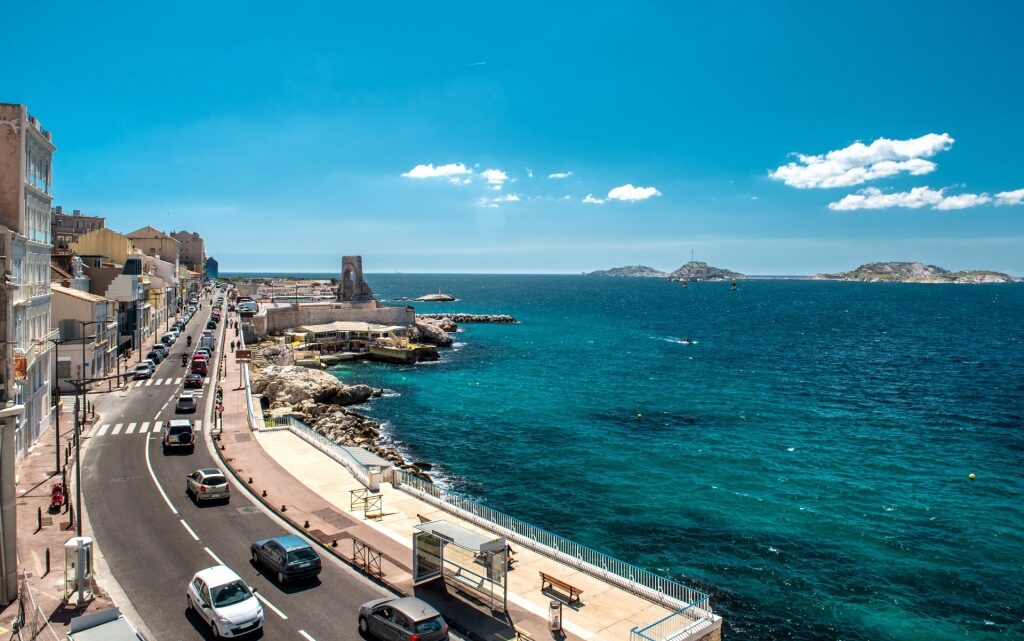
[(104, 242)]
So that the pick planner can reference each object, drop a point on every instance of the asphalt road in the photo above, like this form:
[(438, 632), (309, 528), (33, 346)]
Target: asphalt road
[(154, 537)]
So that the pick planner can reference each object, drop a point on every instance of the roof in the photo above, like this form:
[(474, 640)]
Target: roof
[(77, 293), (105, 625), (347, 326), (366, 457), (415, 609), (462, 537), (291, 542), (217, 575)]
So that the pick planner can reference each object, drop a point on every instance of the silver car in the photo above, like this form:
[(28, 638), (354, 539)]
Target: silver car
[(207, 484), (404, 619)]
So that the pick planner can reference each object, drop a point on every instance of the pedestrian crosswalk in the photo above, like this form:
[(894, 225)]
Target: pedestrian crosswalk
[(150, 382), (131, 429)]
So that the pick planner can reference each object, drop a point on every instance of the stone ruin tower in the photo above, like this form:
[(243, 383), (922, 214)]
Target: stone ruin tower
[(352, 286)]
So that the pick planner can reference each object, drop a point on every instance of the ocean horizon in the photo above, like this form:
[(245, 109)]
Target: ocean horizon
[(805, 460)]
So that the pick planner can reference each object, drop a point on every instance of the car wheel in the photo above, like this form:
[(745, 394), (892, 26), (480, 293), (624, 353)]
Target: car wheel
[(364, 626), (215, 629), (280, 578), (255, 558), (189, 607)]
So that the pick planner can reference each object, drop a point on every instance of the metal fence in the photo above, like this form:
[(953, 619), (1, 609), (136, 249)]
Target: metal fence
[(322, 443), (31, 624), (636, 580), (677, 625)]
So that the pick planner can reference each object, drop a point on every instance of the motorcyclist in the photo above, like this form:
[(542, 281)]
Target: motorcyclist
[(190, 341), (184, 360)]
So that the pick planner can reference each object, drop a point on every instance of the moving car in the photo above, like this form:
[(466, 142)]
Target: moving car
[(225, 602), (289, 557), (142, 370), (179, 434), (207, 484), (193, 381), (199, 367), (405, 619), (186, 403), (212, 324)]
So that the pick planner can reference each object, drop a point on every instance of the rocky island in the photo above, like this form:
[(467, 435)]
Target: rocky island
[(436, 298), (904, 272), (693, 270)]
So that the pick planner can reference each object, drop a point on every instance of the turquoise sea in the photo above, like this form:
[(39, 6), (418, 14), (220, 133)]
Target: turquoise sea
[(806, 461)]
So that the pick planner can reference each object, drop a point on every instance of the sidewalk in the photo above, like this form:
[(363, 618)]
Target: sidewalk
[(36, 476), (319, 504)]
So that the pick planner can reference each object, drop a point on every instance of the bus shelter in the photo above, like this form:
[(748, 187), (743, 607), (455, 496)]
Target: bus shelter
[(472, 563)]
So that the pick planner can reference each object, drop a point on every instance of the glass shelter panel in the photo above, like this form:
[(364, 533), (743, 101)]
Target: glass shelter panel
[(427, 561)]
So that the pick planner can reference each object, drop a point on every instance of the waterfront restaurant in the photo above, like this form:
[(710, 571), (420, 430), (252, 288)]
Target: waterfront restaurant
[(350, 336)]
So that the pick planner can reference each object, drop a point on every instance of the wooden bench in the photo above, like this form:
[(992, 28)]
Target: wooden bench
[(547, 581), (521, 634)]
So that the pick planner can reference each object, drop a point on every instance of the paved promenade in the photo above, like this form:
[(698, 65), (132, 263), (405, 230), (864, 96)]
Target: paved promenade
[(319, 501)]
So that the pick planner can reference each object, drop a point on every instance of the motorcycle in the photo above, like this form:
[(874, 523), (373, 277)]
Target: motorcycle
[(190, 341), (184, 360), (56, 497)]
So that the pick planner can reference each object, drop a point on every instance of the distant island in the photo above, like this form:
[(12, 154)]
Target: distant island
[(693, 270), (898, 272)]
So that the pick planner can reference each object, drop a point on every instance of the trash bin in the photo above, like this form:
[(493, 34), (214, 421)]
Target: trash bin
[(555, 616)]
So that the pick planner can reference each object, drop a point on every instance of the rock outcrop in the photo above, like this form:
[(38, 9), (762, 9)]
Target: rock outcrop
[(905, 272), (436, 298), (470, 318), (433, 331), (291, 385), (699, 270), (630, 271)]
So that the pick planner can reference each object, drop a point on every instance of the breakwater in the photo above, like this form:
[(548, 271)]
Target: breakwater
[(472, 318)]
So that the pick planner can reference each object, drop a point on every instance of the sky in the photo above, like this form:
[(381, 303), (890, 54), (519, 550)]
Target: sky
[(767, 138)]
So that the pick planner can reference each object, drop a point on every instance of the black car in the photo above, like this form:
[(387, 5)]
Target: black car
[(193, 381), (289, 557), (211, 325), (157, 356)]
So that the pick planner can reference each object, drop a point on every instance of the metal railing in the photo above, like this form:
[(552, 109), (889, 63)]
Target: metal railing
[(31, 623), (675, 626), (629, 577), (322, 443)]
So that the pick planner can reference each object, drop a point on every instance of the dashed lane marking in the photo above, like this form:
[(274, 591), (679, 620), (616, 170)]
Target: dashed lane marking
[(149, 382), (177, 381), (131, 428), (270, 605), (117, 429), (306, 635), (103, 429), (190, 530), (158, 426), (199, 426), (149, 466), (144, 428)]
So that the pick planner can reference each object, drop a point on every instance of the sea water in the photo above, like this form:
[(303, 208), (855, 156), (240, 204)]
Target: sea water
[(805, 461)]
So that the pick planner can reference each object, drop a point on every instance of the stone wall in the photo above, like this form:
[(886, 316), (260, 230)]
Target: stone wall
[(272, 320)]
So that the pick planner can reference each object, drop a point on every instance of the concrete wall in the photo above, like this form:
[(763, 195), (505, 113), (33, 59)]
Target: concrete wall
[(277, 319)]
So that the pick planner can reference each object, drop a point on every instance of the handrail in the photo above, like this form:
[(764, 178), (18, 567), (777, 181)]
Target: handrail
[(629, 577), (322, 443), (674, 626)]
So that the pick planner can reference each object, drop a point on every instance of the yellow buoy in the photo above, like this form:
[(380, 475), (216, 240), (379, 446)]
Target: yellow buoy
[(971, 476)]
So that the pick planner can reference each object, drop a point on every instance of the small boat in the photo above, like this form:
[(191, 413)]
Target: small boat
[(687, 341)]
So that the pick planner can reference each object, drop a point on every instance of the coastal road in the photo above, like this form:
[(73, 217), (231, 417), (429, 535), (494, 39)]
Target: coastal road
[(154, 538)]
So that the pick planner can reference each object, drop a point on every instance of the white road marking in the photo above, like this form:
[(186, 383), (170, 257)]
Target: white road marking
[(117, 429), (103, 429), (131, 428), (144, 428), (199, 426), (190, 530), (306, 635), (149, 382), (270, 605), (177, 381), (164, 406), (149, 466), (157, 426), (214, 556)]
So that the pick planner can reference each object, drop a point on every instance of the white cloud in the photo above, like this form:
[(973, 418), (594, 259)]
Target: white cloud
[(630, 193), (860, 163), (494, 202), (508, 198), (494, 176), (529, 173), (560, 175), (1015, 197), (873, 198), (565, 198), (441, 171), (590, 200)]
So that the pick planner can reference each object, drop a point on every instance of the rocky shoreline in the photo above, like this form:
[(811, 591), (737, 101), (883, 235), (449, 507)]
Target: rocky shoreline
[(319, 400), (471, 318)]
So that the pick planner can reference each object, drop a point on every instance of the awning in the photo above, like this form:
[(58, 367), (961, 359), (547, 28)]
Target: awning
[(462, 537)]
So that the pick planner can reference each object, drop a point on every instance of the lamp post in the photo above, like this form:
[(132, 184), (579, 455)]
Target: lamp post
[(85, 390)]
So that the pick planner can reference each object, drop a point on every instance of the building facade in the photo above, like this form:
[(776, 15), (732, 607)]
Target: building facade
[(67, 228), (212, 268), (193, 250), (26, 154), (89, 351)]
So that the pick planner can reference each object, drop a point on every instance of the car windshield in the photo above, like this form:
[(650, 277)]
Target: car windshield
[(230, 594), (180, 429), (429, 625), (302, 555)]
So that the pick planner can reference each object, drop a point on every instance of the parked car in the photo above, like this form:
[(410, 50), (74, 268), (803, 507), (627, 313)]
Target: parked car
[(227, 604), (289, 557), (155, 355), (186, 403), (193, 381), (405, 619), (142, 370), (179, 434), (207, 484)]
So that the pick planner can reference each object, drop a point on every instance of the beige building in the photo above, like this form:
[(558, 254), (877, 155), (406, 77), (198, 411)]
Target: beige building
[(153, 242), (193, 250), (79, 356), (105, 243), (67, 227)]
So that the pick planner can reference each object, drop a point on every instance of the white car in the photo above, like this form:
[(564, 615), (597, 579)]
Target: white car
[(143, 370), (207, 484), (225, 602)]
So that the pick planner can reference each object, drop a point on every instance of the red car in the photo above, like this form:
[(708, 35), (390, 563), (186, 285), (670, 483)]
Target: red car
[(193, 381), (199, 367)]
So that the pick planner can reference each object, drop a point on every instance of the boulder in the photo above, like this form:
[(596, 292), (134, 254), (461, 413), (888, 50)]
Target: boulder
[(291, 385), (430, 331)]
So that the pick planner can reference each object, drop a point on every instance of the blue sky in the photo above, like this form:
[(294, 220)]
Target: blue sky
[(282, 133)]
